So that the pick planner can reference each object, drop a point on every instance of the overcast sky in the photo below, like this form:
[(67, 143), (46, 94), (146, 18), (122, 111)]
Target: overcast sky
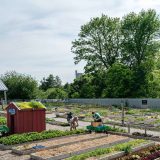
[(36, 35)]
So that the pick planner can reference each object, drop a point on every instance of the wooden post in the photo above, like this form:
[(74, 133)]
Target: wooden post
[(129, 128), (2, 102), (145, 130), (122, 107), (5, 97)]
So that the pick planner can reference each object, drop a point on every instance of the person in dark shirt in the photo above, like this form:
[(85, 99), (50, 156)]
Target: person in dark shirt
[(69, 116)]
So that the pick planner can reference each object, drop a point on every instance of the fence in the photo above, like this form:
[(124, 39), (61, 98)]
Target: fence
[(133, 103), (152, 103)]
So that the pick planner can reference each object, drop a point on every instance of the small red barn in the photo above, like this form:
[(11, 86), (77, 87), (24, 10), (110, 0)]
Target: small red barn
[(26, 117)]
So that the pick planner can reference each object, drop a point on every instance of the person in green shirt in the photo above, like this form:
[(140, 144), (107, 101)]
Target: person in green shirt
[(96, 117)]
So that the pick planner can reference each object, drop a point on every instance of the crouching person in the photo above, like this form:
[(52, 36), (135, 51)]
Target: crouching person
[(74, 123)]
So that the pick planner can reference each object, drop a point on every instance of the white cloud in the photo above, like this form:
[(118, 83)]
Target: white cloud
[(36, 35)]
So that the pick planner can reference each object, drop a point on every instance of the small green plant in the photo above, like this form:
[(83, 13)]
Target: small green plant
[(50, 120), (127, 149), (116, 129), (3, 120)]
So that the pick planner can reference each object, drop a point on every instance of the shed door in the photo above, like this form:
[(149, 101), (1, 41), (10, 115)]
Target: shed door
[(12, 123)]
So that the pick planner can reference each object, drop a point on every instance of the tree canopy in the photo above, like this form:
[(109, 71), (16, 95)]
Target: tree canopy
[(20, 86), (98, 43), (121, 50)]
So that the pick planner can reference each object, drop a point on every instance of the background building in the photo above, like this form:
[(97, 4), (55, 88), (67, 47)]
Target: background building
[(77, 74)]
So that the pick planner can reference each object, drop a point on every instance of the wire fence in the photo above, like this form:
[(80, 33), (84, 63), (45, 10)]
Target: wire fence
[(143, 103)]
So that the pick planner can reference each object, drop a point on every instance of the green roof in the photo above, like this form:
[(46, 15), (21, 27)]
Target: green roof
[(30, 105)]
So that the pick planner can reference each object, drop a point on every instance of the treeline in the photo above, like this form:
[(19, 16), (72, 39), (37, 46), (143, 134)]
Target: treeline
[(121, 55), (21, 86), (122, 60)]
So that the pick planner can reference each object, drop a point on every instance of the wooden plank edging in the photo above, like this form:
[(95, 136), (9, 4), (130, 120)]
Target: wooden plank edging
[(29, 151), (122, 153), (59, 157), (135, 137), (8, 147)]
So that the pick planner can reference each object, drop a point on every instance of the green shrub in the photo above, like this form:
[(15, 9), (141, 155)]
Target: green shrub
[(127, 149), (115, 129)]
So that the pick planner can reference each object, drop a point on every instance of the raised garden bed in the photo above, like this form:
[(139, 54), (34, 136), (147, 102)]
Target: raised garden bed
[(149, 153), (144, 135), (135, 136), (9, 141), (54, 122), (56, 142), (139, 117), (114, 151), (78, 148)]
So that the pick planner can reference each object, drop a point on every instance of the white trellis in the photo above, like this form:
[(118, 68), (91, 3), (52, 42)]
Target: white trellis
[(4, 89)]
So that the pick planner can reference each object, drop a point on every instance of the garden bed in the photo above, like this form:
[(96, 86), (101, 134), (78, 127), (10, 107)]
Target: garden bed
[(78, 148), (149, 118), (113, 152), (144, 135), (56, 142), (12, 140), (156, 139), (54, 122), (149, 153)]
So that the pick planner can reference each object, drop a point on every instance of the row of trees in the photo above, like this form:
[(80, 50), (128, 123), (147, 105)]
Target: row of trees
[(122, 60), (21, 86)]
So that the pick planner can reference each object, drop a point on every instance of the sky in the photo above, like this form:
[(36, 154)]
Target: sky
[(36, 35)]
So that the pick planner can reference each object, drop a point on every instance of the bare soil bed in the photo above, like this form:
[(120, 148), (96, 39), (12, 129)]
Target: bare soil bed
[(59, 141), (78, 146)]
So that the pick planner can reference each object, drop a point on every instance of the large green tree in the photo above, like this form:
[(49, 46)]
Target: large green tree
[(20, 86), (98, 43), (139, 46), (132, 42), (140, 34)]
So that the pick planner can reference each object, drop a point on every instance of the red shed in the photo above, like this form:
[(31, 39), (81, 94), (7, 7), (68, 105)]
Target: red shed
[(26, 117)]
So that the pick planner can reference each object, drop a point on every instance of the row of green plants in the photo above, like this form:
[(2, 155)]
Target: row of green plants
[(149, 153), (3, 120), (33, 136), (109, 128), (126, 147), (52, 121)]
